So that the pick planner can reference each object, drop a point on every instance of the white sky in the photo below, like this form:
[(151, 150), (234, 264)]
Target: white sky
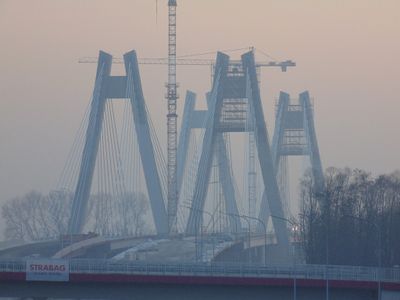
[(346, 51)]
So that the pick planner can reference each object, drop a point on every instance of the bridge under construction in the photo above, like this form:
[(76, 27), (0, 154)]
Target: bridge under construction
[(223, 222), (193, 191), (117, 156)]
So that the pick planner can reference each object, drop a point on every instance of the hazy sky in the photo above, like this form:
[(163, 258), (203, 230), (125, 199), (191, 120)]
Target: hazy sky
[(347, 54)]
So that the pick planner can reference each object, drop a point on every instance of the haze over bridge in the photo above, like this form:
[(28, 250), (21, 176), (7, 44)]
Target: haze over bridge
[(210, 235)]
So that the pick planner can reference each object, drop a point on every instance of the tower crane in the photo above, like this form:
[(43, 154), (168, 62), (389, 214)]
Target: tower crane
[(172, 128), (284, 65)]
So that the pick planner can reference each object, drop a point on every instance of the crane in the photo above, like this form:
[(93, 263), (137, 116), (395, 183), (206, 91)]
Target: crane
[(172, 128), (192, 62)]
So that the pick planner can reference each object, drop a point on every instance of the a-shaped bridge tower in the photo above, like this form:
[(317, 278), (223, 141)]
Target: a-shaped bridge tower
[(295, 135), (106, 88), (235, 89)]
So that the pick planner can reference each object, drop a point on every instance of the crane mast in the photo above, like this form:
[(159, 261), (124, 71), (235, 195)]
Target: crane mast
[(172, 133)]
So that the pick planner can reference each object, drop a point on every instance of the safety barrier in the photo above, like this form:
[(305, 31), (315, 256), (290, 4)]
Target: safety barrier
[(93, 266)]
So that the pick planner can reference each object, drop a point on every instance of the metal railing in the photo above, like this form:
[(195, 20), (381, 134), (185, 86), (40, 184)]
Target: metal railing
[(91, 266), (12, 266)]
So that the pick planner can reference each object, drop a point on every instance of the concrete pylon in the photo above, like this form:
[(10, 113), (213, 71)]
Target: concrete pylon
[(235, 88), (109, 87)]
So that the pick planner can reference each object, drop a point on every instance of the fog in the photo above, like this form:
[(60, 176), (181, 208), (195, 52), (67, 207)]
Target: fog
[(346, 54)]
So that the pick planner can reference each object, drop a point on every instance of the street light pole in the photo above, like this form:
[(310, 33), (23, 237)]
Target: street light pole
[(249, 236), (327, 260), (378, 228), (249, 226), (197, 229), (379, 260), (265, 235), (326, 257), (294, 256), (213, 229)]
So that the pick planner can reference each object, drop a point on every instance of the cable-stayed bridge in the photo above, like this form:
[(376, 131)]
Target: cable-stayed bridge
[(117, 161), (226, 234), (130, 162)]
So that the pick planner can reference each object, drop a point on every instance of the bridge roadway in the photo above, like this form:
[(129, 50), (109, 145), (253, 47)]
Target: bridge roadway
[(151, 248), (107, 279)]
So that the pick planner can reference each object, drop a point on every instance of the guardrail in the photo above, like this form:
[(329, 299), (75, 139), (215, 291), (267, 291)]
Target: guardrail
[(330, 272)]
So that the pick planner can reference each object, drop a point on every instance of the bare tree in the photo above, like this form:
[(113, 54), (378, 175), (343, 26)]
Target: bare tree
[(35, 217), (354, 221), (124, 215), (135, 209)]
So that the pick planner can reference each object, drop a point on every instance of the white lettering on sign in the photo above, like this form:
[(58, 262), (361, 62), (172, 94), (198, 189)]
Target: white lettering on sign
[(47, 270)]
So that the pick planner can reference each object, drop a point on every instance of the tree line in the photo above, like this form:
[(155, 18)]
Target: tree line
[(35, 216), (355, 220)]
